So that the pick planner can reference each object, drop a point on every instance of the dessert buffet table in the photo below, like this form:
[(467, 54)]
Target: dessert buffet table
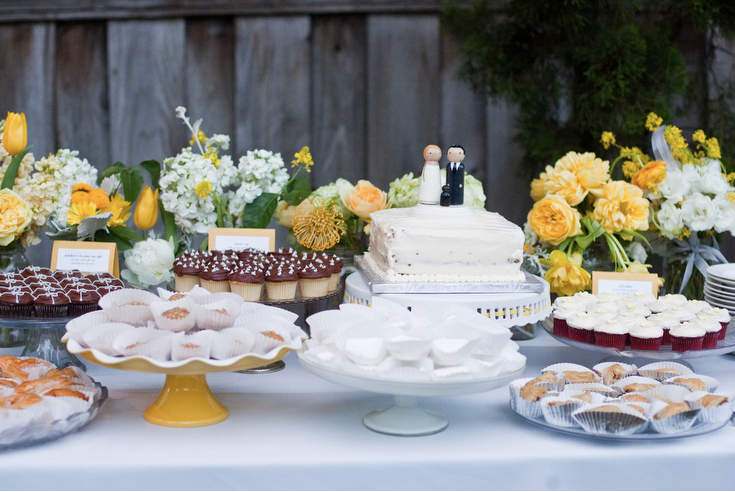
[(293, 430)]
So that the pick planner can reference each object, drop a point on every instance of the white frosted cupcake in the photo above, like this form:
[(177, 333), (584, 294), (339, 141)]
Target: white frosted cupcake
[(561, 327), (585, 297), (609, 304), (712, 329), (602, 313), (659, 306), (695, 306), (717, 314), (682, 313), (607, 295), (569, 303), (629, 319), (581, 328), (642, 296), (611, 333), (637, 308), (687, 336), (667, 321), (674, 299), (646, 335)]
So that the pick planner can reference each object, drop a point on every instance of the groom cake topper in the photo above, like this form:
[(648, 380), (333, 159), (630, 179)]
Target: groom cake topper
[(455, 174)]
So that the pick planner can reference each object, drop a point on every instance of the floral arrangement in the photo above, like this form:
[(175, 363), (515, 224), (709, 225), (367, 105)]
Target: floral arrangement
[(347, 207), (584, 218), (149, 262), (203, 189)]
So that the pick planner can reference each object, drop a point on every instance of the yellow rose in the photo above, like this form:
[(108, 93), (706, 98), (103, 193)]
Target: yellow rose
[(284, 213), (566, 276), (366, 199), (575, 175), (553, 220), (650, 176), (621, 206), (537, 187), (15, 216)]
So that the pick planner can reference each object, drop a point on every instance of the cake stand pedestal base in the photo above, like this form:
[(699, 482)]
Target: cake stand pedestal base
[(405, 418), (186, 401), (46, 344)]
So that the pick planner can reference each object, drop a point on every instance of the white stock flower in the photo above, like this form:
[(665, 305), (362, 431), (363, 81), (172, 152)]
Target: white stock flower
[(73, 170), (724, 213), (698, 212), (675, 186), (149, 262), (636, 252), (669, 219)]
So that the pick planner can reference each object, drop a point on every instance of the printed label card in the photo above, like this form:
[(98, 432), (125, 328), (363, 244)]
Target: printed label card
[(85, 256), (222, 239), (623, 283)]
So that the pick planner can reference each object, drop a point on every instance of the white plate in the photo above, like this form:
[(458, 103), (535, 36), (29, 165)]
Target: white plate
[(713, 284), (725, 271), (719, 304), (717, 294), (720, 282)]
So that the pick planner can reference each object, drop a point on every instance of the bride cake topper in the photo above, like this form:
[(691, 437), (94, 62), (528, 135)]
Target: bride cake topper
[(430, 186)]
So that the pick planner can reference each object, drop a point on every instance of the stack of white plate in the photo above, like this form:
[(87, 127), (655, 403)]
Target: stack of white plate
[(719, 286)]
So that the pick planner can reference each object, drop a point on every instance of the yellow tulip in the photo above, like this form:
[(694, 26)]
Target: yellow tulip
[(146, 212), (15, 136), (566, 276)]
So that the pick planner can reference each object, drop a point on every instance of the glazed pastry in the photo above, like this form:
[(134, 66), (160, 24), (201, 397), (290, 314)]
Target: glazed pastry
[(634, 397), (638, 387), (712, 401), (532, 393), (693, 384), (575, 377), (671, 410)]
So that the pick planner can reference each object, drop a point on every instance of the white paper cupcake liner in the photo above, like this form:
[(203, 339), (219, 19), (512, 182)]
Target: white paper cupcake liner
[(232, 342), (530, 409), (405, 373), (267, 338), (103, 337), (600, 368), (674, 424), (711, 384), (148, 342), (560, 415), (363, 311), (176, 316), (209, 298), (79, 325), (387, 307), (248, 292), (627, 421), (252, 307), (557, 385), (130, 306), (325, 325), (452, 351), (621, 384), (217, 315), (563, 368), (720, 413), (189, 346), (654, 370), (408, 348), (460, 372), (593, 388)]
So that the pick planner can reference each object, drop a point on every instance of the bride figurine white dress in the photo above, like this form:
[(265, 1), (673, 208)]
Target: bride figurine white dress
[(430, 185)]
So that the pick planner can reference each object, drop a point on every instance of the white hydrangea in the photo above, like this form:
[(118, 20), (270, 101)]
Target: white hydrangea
[(258, 171), (73, 170)]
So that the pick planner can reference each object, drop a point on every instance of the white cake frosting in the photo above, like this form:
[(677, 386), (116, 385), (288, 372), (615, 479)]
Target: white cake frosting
[(444, 244)]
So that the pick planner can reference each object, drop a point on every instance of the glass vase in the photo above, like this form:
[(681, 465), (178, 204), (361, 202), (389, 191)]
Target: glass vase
[(13, 259), (674, 268)]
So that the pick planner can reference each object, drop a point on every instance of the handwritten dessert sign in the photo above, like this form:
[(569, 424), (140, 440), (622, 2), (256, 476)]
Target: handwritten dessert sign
[(85, 256), (223, 238), (623, 283)]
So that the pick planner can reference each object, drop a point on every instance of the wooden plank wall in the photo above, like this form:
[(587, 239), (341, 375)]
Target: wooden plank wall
[(366, 91)]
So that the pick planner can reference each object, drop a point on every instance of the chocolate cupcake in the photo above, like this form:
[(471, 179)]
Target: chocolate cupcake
[(335, 265), (281, 281), (214, 278), (82, 300), (248, 282), (51, 304), (313, 280), (16, 303), (186, 273)]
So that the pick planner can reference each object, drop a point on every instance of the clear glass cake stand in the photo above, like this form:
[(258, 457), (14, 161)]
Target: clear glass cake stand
[(44, 339)]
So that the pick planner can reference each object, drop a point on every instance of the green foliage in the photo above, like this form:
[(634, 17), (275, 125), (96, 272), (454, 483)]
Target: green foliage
[(258, 213), (296, 190), (577, 68), (12, 172)]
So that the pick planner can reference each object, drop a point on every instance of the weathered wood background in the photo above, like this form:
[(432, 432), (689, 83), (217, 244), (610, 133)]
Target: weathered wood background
[(366, 85)]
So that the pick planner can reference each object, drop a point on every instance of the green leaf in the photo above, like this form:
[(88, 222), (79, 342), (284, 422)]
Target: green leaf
[(204, 245), (594, 229), (68, 234), (169, 226), (110, 170), (106, 237), (564, 244), (636, 234), (154, 169), (297, 190), (12, 171), (132, 182), (126, 233), (257, 214)]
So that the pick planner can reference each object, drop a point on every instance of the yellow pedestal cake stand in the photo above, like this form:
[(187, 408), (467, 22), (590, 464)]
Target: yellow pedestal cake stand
[(185, 400)]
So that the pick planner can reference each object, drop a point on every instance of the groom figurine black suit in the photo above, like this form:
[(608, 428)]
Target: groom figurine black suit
[(455, 174)]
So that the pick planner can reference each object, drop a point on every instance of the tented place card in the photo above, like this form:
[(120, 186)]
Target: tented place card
[(623, 283), (237, 239), (85, 256)]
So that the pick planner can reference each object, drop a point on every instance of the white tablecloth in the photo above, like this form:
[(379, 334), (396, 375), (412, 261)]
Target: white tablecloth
[(293, 430)]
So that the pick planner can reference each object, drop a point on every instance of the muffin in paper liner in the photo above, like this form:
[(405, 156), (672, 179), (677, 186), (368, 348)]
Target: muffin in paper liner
[(663, 370), (148, 342), (176, 316), (248, 308), (610, 372), (690, 381), (530, 409), (592, 388), (596, 420), (450, 351), (186, 347), (313, 287), (268, 337), (248, 292), (79, 325), (281, 291), (103, 337), (217, 315), (130, 306), (232, 342), (185, 283), (717, 412), (635, 384), (679, 422)]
